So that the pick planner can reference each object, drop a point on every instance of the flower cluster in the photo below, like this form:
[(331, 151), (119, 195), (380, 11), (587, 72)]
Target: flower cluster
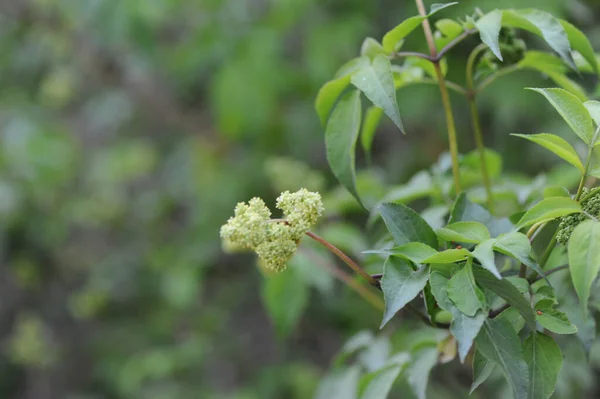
[(568, 223), (274, 241)]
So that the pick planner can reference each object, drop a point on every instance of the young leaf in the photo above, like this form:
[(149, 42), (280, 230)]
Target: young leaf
[(593, 108), (400, 284), (377, 82), (340, 139), (542, 24), (507, 291), (416, 252), (580, 43), (572, 111), (378, 384), (544, 361), (418, 371), (556, 191), (285, 298), (489, 30), (484, 253), (552, 319), (371, 48), (464, 293), (482, 369), (499, 343), (548, 209), (557, 145), (448, 256), (447, 30), (469, 232), (371, 121), (406, 225), (584, 258)]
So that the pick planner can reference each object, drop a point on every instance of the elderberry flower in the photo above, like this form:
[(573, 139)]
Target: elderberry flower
[(278, 248), (568, 223), (301, 209), (247, 229)]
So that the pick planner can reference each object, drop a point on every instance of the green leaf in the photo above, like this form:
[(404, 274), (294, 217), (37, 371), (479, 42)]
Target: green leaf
[(406, 225), (352, 66), (377, 82), (464, 293), (447, 30), (328, 95), (342, 384), (580, 43), (484, 253), (416, 252), (584, 258), (448, 256), (544, 361), (466, 211), (552, 319), (572, 111), (507, 291), (378, 384), (556, 191), (340, 139), (482, 369), (514, 318), (369, 127), (391, 38), (358, 341), (516, 245), (371, 48), (469, 232), (593, 108), (549, 209), (285, 297), (418, 371), (557, 145), (489, 30), (499, 343), (400, 284), (542, 24)]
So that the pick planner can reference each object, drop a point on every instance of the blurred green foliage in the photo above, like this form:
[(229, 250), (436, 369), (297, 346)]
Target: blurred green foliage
[(129, 131)]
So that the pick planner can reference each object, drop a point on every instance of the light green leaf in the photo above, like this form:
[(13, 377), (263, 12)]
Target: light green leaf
[(378, 384), (418, 371), (466, 211), (514, 318), (285, 297), (342, 384), (553, 319), (544, 361), (464, 293), (469, 232), (369, 127), (593, 108), (584, 258), (572, 111), (484, 253), (406, 225), (400, 284), (448, 256), (482, 369), (557, 145), (517, 245), (327, 96), (352, 66), (371, 48), (579, 42), (556, 191), (416, 252), (507, 291), (499, 343), (377, 82), (569, 85), (447, 30), (340, 139), (489, 30), (549, 209), (542, 24)]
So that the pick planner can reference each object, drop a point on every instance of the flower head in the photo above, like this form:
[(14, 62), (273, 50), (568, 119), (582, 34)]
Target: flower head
[(568, 223), (301, 209), (278, 248), (247, 229)]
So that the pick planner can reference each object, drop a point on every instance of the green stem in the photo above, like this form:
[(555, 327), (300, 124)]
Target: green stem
[(490, 79), (445, 97)]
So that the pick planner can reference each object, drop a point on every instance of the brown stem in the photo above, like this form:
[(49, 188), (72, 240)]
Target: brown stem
[(549, 272), (340, 254)]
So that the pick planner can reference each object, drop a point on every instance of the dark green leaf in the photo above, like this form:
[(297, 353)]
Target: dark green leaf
[(469, 232), (340, 139), (371, 121), (377, 82), (584, 258), (406, 225), (549, 209), (484, 253), (466, 211), (557, 145), (482, 369), (400, 284), (285, 297), (552, 319), (544, 361), (507, 291), (499, 343), (489, 30), (416, 252), (418, 371), (572, 111), (464, 293)]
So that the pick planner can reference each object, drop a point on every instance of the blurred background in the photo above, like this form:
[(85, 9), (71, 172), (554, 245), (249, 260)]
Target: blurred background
[(129, 131)]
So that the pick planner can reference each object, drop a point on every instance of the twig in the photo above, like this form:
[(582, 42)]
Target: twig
[(549, 272)]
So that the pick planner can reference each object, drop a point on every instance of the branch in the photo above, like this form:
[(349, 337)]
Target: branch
[(549, 272)]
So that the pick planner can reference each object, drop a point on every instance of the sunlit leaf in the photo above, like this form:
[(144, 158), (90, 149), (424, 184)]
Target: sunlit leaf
[(469, 232), (552, 319), (484, 253), (584, 258), (489, 30), (549, 209), (557, 145)]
